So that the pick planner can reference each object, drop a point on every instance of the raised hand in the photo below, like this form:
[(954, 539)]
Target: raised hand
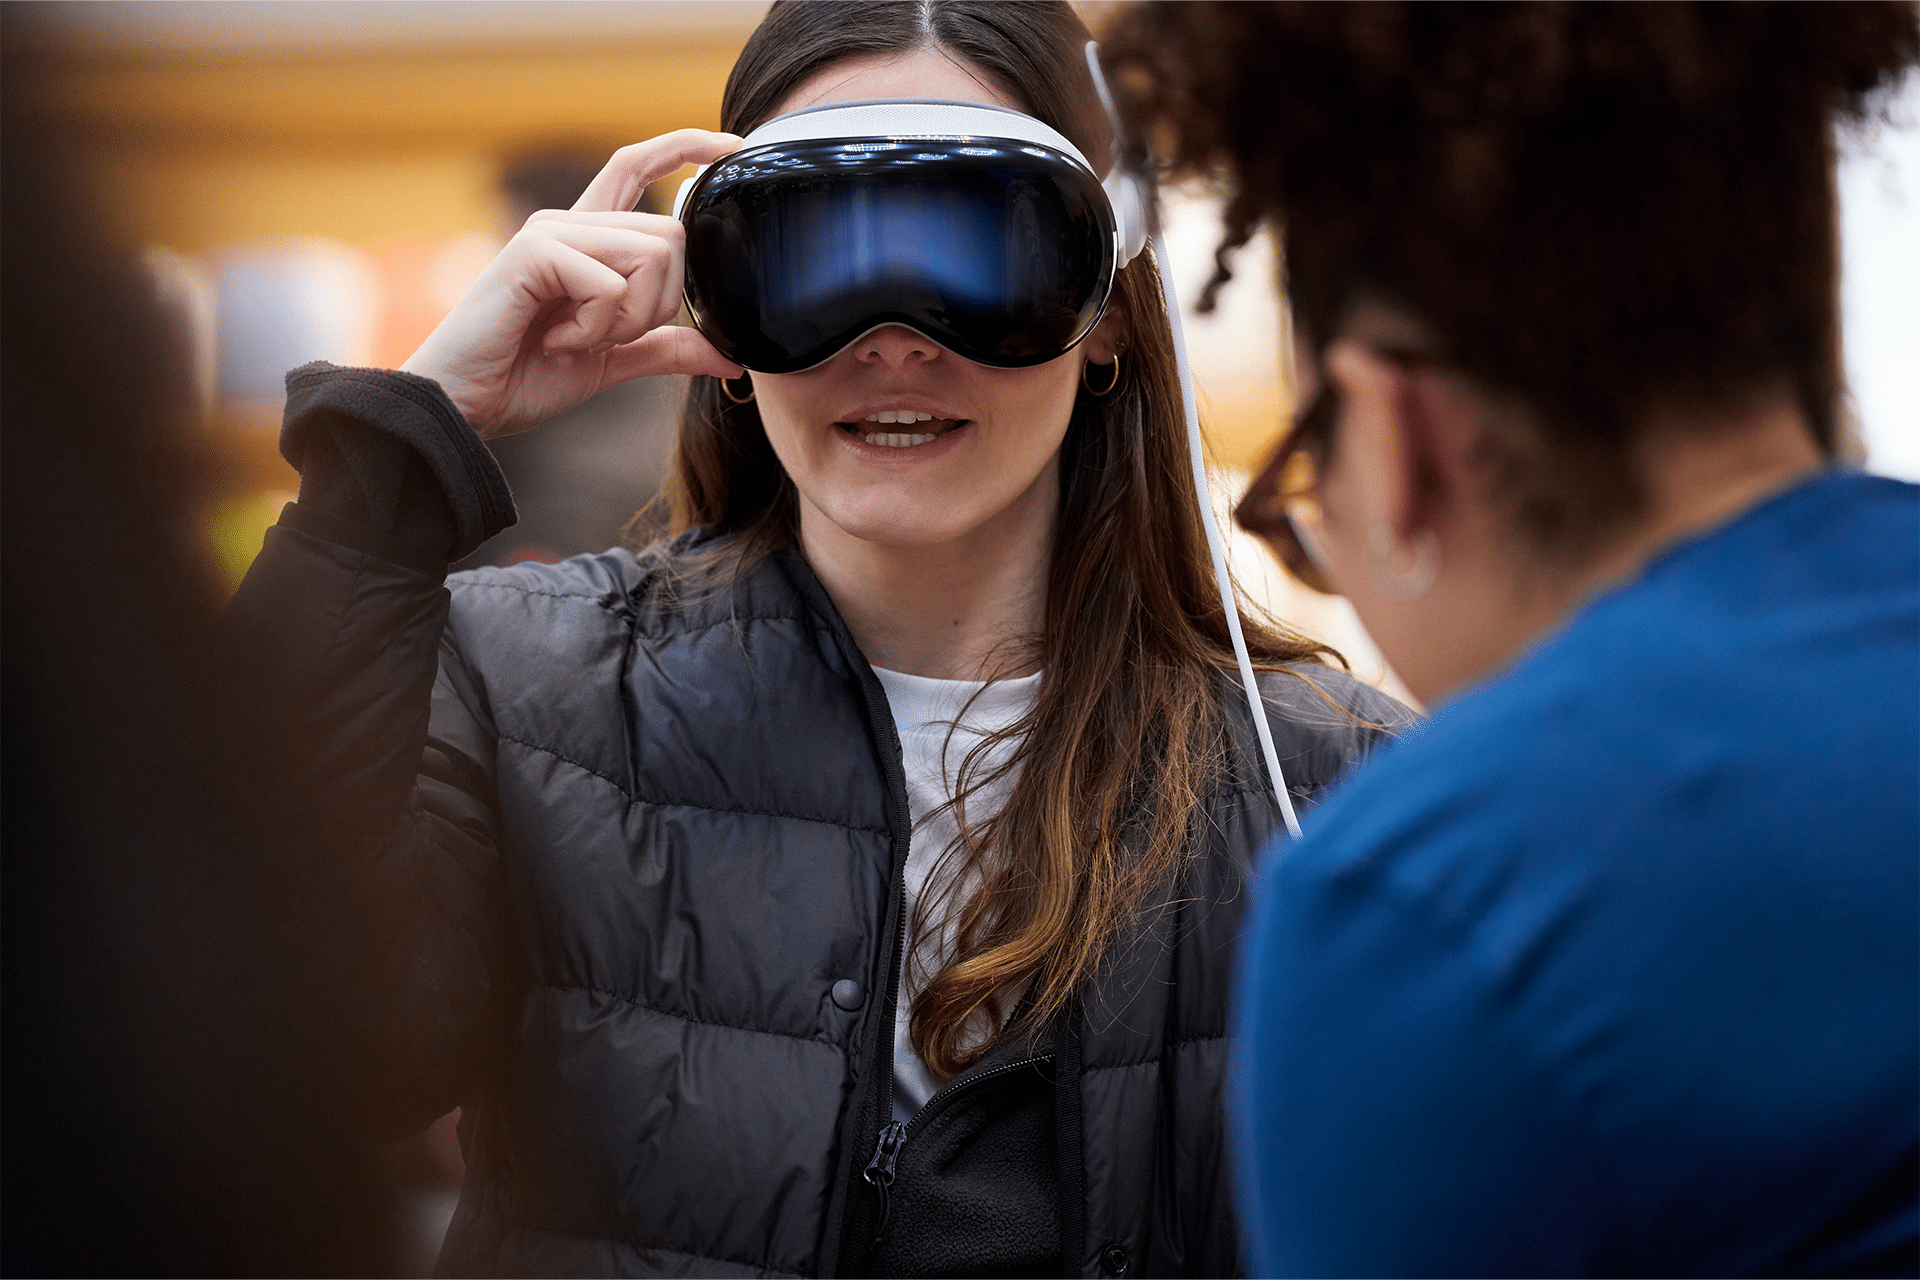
[(577, 301)]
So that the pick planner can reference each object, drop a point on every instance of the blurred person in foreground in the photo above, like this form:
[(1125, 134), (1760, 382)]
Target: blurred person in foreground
[(1612, 969), (178, 1083)]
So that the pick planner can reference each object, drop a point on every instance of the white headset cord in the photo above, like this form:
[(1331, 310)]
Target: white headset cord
[(1196, 453)]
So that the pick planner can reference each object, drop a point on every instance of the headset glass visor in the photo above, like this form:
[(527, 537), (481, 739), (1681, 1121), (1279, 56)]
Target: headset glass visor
[(1001, 251)]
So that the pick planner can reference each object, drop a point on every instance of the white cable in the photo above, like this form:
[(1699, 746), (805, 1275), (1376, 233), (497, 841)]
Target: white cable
[(1197, 455)]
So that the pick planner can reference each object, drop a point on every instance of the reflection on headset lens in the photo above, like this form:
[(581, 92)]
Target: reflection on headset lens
[(1000, 251)]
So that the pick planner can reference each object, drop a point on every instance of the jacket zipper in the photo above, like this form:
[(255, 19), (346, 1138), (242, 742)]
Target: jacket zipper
[(879, 1172), (881, 1084)]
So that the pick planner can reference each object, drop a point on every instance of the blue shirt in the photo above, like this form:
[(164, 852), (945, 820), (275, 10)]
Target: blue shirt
[(1614, 968)]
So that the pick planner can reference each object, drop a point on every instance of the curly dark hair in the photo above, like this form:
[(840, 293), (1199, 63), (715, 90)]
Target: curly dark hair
[(1604, 209)]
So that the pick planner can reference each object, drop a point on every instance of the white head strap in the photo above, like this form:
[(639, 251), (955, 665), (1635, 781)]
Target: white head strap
[(947, 119)]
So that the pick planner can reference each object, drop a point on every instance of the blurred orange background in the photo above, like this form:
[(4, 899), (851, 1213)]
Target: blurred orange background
[(354, 152), (345, 160)]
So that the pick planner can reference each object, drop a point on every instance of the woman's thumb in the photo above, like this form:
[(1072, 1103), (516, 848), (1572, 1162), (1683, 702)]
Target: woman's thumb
[(669, 349)]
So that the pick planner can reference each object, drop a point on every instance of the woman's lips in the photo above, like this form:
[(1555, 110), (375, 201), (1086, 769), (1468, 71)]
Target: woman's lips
[(921, 428)]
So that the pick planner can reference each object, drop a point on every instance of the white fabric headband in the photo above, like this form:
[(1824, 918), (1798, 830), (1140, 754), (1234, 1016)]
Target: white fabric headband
[(947, 119)]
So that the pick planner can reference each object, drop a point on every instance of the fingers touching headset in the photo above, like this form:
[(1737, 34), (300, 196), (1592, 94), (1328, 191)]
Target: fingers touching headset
[(607, 202), (622, 272), (619, 186), (577, 301)]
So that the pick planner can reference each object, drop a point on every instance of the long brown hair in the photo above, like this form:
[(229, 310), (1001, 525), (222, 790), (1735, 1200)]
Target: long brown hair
[(1126, 734)]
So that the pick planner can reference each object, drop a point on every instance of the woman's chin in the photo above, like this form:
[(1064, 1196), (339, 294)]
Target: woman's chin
[(888, 522), (922, 509), (903, 533)]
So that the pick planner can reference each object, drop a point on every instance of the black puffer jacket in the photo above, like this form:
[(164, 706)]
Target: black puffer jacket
[(635, 869)]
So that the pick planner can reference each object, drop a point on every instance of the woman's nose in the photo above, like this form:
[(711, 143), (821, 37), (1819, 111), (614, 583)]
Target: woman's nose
[(896, 346)]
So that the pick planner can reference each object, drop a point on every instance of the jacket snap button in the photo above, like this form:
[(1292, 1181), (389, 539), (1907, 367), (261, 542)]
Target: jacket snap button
[(847, 993), (1114, 1260)]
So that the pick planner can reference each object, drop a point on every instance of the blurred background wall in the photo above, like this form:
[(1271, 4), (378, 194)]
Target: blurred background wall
[(322, 180)]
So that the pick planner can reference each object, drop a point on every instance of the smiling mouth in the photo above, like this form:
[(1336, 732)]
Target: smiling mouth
[(925, 428)]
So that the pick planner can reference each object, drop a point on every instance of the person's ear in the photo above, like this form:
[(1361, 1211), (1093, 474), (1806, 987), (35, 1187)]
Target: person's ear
[(1396, 445), (1379, 440), (1108, 339)]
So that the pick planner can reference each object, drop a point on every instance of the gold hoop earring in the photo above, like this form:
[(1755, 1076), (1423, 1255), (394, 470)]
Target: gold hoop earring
[(1112, 382), (727, 391)]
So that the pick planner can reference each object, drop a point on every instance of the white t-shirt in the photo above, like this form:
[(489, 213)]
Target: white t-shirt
[(932, 751)]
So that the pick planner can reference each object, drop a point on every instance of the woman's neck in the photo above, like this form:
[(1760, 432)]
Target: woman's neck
[(956, 610), (1699, 471)]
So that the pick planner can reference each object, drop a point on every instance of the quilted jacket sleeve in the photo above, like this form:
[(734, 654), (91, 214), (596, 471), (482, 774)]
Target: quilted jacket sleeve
[(340, 622)]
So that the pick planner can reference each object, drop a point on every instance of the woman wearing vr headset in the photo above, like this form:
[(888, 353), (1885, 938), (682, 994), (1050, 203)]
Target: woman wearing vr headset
[(847, 885)]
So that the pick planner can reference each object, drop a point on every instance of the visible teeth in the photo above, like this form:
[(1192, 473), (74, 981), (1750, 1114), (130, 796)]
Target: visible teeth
[(899, 415), (897, 440)]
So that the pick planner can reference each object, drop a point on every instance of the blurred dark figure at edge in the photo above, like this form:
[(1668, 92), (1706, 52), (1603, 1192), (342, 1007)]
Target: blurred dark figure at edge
[(1614, 967), (178, 1096)]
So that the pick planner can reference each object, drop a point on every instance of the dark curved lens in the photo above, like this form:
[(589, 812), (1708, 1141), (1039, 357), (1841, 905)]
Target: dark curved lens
[(1000, 251)]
